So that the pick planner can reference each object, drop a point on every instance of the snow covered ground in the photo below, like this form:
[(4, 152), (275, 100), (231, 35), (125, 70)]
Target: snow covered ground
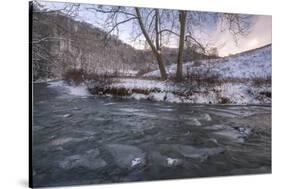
[(251, 64)]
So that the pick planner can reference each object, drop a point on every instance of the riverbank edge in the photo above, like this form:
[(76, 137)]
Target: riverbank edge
[(224, 93)]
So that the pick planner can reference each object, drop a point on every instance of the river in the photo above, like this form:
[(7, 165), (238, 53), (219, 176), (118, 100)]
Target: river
[(85, 139)]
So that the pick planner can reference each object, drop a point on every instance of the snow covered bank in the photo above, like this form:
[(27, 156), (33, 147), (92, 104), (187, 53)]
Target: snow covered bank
[(222, 93)]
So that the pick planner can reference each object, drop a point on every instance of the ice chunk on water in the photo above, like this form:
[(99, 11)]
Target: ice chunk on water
[(67, 115), (110, 103), (173, 162), (136, 161), (126, 156), (194, 121)]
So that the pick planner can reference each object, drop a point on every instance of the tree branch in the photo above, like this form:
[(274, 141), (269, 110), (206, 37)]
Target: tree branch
[(169, 31)]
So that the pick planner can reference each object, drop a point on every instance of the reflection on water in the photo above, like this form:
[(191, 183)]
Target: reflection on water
[(88, 139)]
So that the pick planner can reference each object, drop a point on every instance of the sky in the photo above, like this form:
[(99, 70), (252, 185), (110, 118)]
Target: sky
[(259, 35), (209, 33)]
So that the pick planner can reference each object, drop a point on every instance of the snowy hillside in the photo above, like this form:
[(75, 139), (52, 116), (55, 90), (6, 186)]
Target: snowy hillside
[(251, 64)]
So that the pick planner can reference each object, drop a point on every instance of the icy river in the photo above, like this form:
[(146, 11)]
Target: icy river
[(85, 139)]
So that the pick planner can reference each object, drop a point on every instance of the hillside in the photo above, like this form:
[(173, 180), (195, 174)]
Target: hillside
[(61, 43), (251, 64)]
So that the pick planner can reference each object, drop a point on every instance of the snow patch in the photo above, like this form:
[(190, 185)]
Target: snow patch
[(80, 90), (138, 96)]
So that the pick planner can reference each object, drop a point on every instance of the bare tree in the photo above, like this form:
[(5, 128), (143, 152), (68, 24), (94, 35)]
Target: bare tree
[(238, 25), (155, 49), (148, 25), (182, 20)]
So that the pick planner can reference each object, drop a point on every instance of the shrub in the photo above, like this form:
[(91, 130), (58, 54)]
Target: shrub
[(225, 100), (99, 83), (197, 63), (266, 93), (103, 78), (202, 77), (74, 76), (258, 81)]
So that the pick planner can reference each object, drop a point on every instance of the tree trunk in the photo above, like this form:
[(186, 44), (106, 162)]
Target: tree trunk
[(182, 20), (157, 30), (155, 52)]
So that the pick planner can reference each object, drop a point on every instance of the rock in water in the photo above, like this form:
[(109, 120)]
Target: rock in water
[(88, 160), (198, 153), (126, 156), (194, 122), (235, 134), (207, 117)]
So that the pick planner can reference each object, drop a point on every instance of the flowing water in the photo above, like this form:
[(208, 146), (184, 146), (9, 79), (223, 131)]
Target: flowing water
[(84, 139)]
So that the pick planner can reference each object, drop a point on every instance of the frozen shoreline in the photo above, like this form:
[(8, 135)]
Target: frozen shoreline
[(225, 93)]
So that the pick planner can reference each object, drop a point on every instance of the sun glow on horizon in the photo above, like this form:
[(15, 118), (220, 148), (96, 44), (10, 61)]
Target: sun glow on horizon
[(253, 43)]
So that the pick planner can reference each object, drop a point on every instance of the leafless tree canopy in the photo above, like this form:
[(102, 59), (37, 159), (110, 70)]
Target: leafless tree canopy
[(155, 28)]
